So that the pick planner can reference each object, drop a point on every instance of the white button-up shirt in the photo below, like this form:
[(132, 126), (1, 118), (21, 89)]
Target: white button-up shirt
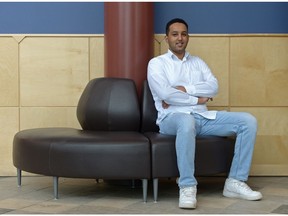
[(167, 71)]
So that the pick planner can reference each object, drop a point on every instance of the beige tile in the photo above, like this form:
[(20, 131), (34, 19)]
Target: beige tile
[(49, 207), (251, 206), (21, 212), (14, 203), (118, 202), (259, 71), (96, 57), (54, 70), (215, 202), (35, 117), (280, 199), (243, 211), (275, 190), (283, 209), (9, 121), (9, 89), (84, 209), (121, 200), (4, 210)]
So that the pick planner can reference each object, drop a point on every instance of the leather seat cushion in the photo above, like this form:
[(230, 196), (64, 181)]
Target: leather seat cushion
[(213, 155), (69, 152)]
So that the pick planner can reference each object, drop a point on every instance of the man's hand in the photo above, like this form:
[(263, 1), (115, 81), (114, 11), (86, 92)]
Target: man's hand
[(181, 88), (203, 100), (165, 105)]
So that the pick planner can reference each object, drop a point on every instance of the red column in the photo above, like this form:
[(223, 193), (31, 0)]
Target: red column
[(129, 40)]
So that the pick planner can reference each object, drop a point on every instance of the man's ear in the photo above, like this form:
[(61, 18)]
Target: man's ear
[(166, 38)]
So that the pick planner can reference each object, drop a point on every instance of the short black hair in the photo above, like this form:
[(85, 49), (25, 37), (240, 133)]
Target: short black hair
[(175, 20)]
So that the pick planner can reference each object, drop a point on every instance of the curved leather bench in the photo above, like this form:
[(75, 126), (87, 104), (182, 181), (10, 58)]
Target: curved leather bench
[(213, 154), (110, 145)]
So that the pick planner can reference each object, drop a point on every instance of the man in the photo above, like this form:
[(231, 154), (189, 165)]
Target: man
[(181, 86)]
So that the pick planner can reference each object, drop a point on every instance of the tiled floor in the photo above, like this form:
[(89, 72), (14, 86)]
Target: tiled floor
[(85, 196)]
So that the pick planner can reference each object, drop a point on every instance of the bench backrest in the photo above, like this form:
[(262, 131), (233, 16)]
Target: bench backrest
[(109, 104), (149, 112)]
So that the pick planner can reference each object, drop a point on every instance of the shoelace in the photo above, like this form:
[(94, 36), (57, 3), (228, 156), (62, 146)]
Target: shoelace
[(188, 192), (243, 186)]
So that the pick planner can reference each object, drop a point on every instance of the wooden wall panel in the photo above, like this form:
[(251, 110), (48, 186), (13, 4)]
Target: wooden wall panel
[(9, 122), (96, 57), (253, 75), (35, 117), (47, 74), (259, 71), (9, 88), (157, 44), (53, 71)]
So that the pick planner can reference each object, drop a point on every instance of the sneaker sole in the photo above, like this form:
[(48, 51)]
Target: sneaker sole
[(230, 194), (187, 205)]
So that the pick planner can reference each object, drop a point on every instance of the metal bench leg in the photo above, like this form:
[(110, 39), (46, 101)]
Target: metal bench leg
[(155, 189), (55, 186), (19, 177), (133, 183), (145, 189)]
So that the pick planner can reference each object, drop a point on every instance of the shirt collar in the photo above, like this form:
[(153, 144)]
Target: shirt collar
[(173, 56)]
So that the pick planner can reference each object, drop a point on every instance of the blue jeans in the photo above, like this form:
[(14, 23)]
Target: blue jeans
[(187, 126)]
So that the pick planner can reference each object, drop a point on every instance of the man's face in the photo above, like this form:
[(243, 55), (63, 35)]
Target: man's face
[(177, 39)]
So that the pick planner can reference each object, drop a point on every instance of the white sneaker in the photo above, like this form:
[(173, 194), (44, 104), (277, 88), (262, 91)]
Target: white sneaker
[(187, 197), (238, 189)]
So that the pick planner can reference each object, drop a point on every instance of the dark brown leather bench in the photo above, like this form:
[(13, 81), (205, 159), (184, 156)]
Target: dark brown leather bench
[(213, 154), (110, 145)]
